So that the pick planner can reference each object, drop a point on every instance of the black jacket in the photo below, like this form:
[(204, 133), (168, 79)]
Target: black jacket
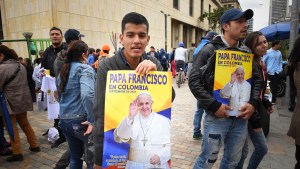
[(264, 104), (201, 79), (49, 57)]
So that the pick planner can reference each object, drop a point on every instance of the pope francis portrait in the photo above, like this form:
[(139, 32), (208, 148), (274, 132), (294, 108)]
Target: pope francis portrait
[(238, 90), (148, 134)]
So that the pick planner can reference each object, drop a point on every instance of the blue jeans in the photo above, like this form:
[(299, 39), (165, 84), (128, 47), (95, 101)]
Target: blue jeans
[(73, 131), (260, 149), (232, 132), (197, 119)]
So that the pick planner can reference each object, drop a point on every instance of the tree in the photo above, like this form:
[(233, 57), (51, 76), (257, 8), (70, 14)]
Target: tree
[(214, 17)]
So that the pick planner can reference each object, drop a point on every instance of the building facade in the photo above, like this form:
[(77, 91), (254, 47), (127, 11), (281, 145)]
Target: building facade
[(97, 19), (250, 27), (231, 3), (278, 11)]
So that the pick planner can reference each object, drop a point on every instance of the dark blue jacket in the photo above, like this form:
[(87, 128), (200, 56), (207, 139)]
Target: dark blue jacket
[(163, 58)]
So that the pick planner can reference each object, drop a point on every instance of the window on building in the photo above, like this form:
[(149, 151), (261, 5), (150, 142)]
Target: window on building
[(191, 7), (175, 4), (201, 7)]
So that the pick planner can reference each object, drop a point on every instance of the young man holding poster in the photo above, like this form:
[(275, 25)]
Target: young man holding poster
[(219, 127), (134, 39)]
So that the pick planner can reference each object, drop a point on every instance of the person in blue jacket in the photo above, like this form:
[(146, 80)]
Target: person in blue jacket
[(163, 58), (199, 111)]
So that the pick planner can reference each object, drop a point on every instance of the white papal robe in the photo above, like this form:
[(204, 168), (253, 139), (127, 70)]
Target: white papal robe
[(157, 129), (238, 93)]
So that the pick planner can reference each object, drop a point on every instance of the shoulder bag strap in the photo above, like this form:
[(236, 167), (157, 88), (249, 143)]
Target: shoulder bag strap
[(13, 76)]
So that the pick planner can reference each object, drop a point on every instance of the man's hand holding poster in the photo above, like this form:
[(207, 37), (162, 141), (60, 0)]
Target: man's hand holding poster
[(232, 84), (137, 120)]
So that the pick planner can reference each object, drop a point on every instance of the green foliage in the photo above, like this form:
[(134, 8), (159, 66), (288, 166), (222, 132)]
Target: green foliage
[(284, 49), (214, 16)]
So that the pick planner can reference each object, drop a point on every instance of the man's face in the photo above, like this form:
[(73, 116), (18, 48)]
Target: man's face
[(41, 54), (152, 49), (134, 40), (56, 37), (25, 62), (145, 105), (239, 75), (278, 46), (236, 29)]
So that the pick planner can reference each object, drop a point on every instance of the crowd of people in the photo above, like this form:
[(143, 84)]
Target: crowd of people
[(76, 67)]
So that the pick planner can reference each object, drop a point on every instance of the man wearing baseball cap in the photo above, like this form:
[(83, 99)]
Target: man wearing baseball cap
[(219, 127)]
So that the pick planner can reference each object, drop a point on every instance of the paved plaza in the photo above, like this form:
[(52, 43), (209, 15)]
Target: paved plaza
[(184, 149)]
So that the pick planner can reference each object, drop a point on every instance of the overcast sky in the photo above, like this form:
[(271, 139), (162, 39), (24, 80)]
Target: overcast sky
[(261, 12)]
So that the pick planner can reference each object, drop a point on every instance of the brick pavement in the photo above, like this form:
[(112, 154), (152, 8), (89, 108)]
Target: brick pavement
[(184, 149)]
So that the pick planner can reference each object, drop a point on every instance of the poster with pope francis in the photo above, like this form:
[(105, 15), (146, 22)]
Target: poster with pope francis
[(137, 122), (233, 77)]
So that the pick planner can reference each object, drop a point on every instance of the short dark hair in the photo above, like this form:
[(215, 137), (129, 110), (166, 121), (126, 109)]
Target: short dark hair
[(193, 44), (8, 53), (106, 51), (275, 43), (55, 28), (98, 50), (91, 50), (134, 18), (38, 61)]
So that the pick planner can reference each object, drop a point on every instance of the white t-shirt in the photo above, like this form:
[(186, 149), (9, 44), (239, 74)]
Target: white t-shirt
[(181, 54), (48, 86)]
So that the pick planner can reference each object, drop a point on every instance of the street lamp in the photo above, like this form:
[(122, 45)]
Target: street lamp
[(166, 15)]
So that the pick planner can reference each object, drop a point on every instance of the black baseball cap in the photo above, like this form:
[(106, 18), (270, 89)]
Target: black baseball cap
[(72, 34)]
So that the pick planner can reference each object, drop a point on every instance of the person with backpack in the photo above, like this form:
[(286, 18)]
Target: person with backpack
[(199, 109), (219, 127), (162, 57)]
